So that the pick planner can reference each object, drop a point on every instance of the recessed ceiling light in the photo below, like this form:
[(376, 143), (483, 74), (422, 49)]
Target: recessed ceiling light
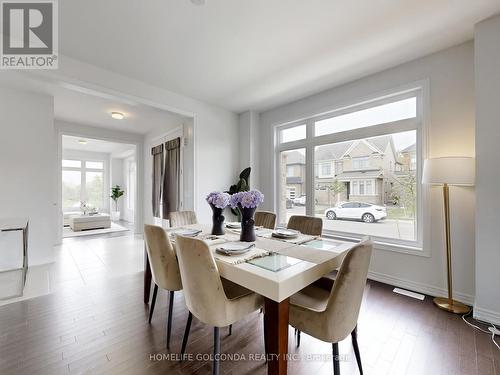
[(117, 115), (82, 141), (198, 2)]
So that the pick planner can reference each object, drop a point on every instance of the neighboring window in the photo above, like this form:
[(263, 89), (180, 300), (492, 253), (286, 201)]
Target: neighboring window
[(291, 192), (290, 171), (360, 166), (82, 181), (325, 169), (293, 134), (360, 163)]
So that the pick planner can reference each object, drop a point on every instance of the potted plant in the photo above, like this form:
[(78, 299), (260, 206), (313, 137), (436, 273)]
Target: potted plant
[(116, 193)]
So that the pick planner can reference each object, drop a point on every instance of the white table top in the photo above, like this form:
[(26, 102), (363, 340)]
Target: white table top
[(281, 284)]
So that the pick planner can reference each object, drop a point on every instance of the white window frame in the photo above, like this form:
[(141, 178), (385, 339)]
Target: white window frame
[(83, 179), (420, 90), (359, 159)]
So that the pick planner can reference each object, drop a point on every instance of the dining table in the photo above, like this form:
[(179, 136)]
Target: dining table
[(281, 268)]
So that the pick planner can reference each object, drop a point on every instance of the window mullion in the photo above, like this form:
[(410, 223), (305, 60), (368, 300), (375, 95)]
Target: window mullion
[(310, 168)]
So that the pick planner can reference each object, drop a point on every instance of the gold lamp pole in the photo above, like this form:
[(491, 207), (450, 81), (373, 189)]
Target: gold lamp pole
[(444, 171)]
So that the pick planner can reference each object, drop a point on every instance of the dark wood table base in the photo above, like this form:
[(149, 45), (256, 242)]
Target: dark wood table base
[(276, 328)]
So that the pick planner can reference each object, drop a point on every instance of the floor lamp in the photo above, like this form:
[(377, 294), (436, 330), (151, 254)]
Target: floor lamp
[(457, 171)]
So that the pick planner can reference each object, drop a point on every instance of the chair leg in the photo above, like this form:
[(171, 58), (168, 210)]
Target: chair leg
[(298, 338), (230, 329), (354, 336), (335, 355), (153, 301), (186, 334), (169, 319), (215, 368)]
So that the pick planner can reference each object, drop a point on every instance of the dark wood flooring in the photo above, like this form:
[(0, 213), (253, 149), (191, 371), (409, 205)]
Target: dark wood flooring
[(103, 329)]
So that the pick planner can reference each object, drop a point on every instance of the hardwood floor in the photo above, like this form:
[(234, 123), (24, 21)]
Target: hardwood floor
[(101, 328)]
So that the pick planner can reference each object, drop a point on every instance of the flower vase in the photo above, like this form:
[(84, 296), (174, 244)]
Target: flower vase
[(247, 224), (217, 221)]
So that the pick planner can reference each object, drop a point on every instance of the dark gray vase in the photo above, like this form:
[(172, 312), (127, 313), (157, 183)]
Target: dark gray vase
[(247, 224), (217, 221)]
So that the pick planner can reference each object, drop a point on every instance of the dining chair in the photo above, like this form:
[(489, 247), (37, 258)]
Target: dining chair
[(265, 219), (180, 218), (331, 315), (214, 301), (306, 224), (164, 269)]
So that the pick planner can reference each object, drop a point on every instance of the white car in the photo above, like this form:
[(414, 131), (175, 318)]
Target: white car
[(300, 201), (369, 213)]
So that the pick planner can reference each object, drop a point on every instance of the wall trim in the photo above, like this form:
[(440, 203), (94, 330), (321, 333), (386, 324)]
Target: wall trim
[(420, 287), (486, 315)]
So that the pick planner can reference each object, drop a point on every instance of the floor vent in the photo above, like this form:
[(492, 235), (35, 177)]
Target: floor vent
[(409, 293)]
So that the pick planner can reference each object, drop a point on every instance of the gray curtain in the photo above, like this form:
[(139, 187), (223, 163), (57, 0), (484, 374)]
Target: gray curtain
[(157, 153), (171, 176)]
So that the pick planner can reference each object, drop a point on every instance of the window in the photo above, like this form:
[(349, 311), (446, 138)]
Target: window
[(293, 134), (289, 171), (352, 164), (395, 111), (325, 169), (82, 181), (360, 163), (292, 186)]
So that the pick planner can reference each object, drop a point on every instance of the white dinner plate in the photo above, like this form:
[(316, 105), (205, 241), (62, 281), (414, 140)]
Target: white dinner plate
[(286, 233), (187, 232), (235, 248), (234, 225)]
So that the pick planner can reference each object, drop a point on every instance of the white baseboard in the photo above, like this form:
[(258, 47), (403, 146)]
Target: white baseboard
[(419, 287), (486, 315)]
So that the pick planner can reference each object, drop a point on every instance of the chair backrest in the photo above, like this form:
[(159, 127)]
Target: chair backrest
[(203, 290), (306, 224), (347, 293), (180, 218), (265, 219), (162, 259)]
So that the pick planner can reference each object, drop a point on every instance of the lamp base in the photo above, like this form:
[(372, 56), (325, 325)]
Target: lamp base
[(451, 305)]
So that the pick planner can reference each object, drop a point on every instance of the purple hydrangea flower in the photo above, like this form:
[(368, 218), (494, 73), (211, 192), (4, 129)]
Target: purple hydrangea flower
[(218, 199), (247, 199)]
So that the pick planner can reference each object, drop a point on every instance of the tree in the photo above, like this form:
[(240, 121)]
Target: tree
[(405, 193), (335, 189)]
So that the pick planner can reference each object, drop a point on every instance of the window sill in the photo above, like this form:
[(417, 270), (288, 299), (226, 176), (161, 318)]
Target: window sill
[(382, 245)]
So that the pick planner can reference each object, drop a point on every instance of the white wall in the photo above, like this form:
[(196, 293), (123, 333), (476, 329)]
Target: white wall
[(28, 165), (451, 132), (487, 68)]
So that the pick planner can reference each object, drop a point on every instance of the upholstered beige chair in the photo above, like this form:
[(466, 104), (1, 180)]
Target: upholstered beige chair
[(214, 301), (306, 224), (331, 315), (265, 219), (180, 218), (164, 269)]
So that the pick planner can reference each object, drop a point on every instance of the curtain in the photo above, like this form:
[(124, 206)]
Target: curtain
[(171, 176), (157, 153)]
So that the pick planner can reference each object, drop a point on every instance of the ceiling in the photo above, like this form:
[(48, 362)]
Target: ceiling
[(117, 150), (95, 109), (242, 54)]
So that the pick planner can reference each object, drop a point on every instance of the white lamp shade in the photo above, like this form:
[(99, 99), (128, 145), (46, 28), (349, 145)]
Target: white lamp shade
[(449, 170)]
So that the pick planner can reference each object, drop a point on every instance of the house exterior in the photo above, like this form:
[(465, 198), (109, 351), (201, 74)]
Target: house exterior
[(361, 170)]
